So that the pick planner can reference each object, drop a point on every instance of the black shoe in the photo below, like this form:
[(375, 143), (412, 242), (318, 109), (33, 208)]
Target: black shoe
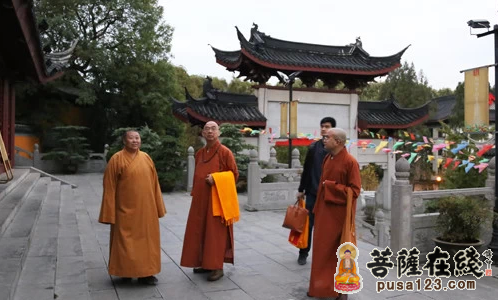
[(215, 275), (201, 270), (150, 280), (302, 259), (342, 297), (125, 279)]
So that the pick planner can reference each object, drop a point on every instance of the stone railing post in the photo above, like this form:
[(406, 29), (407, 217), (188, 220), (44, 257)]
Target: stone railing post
[(37, 157), (380, 226), (295, 163), (106, 150), (253, 182), (401, 208), (190, 168), (273, 158), (490, 181)]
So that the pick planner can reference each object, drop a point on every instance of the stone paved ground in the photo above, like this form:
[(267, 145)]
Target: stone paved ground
[(265, 263)]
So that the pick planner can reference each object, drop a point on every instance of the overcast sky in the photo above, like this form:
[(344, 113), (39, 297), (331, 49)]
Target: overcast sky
[(441, 44)]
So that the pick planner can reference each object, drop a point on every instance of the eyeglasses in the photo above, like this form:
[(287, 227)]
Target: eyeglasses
[(325, 138), (209, 129)]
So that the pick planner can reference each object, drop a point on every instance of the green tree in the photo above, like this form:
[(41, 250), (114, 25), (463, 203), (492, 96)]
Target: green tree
[(71, 147), (407, 88), (240, 87), (121, 71), (444, 92), (372, 92), (457, 118)]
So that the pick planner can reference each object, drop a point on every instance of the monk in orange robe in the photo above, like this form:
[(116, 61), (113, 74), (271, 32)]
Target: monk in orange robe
[(340, 171), (132, 203), (208, 242)]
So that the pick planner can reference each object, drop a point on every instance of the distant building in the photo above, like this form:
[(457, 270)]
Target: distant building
[(262, 57), (22, 58)]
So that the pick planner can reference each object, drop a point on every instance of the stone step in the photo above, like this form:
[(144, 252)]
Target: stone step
[(13, 200), (40, 272), (15, 241), (70, 277), (19, 175), (55, 270)]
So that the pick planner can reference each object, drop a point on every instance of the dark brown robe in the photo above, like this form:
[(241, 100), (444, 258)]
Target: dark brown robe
[(208, 242), (338, 173), (132, 203)]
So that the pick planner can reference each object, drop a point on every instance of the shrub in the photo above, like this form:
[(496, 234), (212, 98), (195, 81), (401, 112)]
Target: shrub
[(71, 147), (460, 218), (369, 177), (283, 153), (459, 179)]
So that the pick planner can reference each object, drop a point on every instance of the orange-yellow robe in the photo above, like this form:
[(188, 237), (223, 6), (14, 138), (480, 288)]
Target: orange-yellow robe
[(208, 242), (338, 172), (347, 274), (132, 203)]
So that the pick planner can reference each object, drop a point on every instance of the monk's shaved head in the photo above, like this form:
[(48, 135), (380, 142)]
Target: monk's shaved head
[(125, 134), (211, 132), (212, 123), (338, 133)]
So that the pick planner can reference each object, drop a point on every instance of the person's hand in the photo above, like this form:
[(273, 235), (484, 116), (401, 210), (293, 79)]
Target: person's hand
[(300, 195), (209, 179)]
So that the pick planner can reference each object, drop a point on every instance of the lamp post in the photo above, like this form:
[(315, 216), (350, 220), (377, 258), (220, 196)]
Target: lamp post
[(485, 24), (289, 82)]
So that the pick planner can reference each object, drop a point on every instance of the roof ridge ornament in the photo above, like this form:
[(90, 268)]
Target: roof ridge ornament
[(256, 38)]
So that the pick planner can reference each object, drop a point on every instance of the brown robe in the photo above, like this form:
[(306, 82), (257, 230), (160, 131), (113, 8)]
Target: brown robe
[(338, 172), (132, 203), (208, 243)]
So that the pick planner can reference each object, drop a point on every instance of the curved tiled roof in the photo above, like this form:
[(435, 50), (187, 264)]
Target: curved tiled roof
[(444, 108), (389, 115), (265, 55), (220, 107)]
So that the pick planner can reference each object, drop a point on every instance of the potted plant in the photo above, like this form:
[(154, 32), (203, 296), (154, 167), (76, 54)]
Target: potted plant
[(71, 148), (460, 221)]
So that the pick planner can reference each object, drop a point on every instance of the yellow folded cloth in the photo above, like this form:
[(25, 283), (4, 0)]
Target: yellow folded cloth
[(224, 197)]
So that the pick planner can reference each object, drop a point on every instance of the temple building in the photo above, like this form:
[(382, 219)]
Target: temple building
[(261, 57), (22, 58), (221, 107)]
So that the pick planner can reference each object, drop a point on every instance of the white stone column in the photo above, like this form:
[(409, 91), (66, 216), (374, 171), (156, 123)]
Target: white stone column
[(353, 116), (263, 144), (401, 213), (190, 168), (253, 182)]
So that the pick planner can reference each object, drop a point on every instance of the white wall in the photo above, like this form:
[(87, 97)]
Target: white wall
[(312, 107)]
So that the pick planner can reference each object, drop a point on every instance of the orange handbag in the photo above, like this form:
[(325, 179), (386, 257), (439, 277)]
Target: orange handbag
[(295, 217), (300, 240)]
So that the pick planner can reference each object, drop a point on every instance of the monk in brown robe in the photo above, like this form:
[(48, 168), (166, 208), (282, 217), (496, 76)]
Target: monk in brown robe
[(208, 242), (340, 171), (132, 203)]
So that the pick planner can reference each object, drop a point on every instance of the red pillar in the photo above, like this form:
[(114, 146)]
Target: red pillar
[(7, 113), (2, 114), (12, 125)]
